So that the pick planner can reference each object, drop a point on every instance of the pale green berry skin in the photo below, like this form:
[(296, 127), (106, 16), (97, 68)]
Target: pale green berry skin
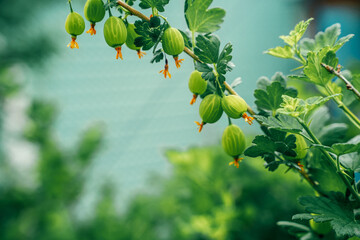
[(301, 148), (320, 228), (74, 24), (233, 140), (234, 106), (115, 32), (172, 41), (94, 10), (210, 109), (131, 35), (197, 84)]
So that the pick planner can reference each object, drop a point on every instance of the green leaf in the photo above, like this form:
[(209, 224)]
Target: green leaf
[(336, 209), (299, 77), (158, 4), (352, 160), (201, 19), (207, 48), (293, 228), (281, 52), (271, 98), (325, 39), (158, 56), (332, 133), (314, 71), (296, 34), (224, 63), (297, 107), (262, 145), (282, 122)]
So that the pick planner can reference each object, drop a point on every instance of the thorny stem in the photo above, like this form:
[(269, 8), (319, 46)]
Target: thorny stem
[(331, 161), (186, 50), (349, 86)]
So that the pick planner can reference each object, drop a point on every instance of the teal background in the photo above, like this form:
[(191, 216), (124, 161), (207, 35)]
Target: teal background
[(145, 114)]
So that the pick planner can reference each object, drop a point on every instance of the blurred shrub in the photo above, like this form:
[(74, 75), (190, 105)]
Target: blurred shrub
[(203, 199)]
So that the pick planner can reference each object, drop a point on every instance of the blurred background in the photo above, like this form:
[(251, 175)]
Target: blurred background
[(97, 148)]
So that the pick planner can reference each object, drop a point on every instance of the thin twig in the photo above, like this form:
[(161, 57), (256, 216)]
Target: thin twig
[(349, 86)]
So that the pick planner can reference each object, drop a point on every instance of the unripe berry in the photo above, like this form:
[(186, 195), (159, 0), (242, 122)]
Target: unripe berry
[(94, 10), (131, 35), (74, 24), (197, 85), (210, 110), (234, 106), (115, 34), (172, 41), (233, 141)]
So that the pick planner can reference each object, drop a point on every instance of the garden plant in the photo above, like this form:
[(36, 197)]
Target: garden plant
[(297, 133)]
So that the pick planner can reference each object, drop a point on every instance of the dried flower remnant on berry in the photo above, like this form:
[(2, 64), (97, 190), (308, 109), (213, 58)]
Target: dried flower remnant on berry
[(165, 71), (73, 43), (92, 30), (200, 125), (178, 61), (236, 162), (118, 53), (248, 119), (140, 53)]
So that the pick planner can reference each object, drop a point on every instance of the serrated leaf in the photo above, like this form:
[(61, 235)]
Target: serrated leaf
[(282, 122), (158, 56), (224, 63), (313, 69), (281, 52), (336, 209), (341, 42), (297, 107), (203, 67), (158, 4), (262, 83), (296, 34), (271, 98), (201, 19), (262, 145), (325, 39), (207, 48)]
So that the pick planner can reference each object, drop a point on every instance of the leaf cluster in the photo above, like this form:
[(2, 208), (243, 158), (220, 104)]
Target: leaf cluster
[(336, 209), (149, 36), (158, 4), (214, 63)]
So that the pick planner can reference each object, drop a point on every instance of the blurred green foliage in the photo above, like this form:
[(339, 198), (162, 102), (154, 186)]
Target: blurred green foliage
[(204, 198)]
